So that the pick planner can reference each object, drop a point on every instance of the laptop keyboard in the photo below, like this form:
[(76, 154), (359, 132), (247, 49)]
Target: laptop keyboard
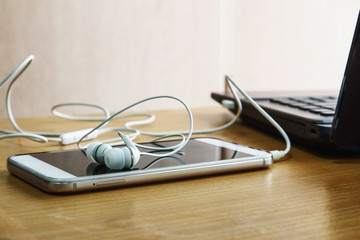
[(323, 105)]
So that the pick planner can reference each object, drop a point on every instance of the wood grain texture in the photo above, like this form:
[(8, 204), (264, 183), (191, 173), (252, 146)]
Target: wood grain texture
[(305, 197)]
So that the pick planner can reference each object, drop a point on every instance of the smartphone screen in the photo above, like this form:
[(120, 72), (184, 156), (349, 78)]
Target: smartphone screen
[(76, 163)]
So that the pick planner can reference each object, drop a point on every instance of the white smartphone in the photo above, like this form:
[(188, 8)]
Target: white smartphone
[(69, 171)]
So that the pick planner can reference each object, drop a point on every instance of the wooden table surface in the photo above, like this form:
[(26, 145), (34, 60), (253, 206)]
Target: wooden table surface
[(307, 196)]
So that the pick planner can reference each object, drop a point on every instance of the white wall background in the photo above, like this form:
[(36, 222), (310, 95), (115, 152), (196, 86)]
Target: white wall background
[(287, 44), (114, 52)]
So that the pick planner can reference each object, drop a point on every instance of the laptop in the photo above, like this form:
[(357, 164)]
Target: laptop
[(321, 121)]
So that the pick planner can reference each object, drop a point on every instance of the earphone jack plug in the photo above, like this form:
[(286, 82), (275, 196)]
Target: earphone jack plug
[(277, 155)]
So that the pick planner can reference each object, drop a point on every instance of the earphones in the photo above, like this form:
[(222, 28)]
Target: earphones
[(114, 158), (128, 156)]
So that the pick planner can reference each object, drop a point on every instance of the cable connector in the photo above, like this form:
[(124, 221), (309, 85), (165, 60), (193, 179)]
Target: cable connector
[(75, 136), (277, 154), (229, 104)]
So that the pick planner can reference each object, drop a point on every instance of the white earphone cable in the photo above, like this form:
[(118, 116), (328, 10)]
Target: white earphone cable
[(277, 154), (14, 75)]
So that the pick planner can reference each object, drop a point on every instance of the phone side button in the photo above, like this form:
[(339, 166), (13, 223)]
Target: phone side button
[(110, 182)]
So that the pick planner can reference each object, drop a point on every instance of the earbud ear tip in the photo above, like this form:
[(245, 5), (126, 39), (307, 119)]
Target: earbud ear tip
[(95, 152), (114, 159), (90, 151)]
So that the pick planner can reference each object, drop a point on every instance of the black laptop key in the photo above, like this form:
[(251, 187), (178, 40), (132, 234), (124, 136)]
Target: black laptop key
[(327, 113), (297, 105), (330, 106), (308, 107), (316, 110), (282, 101)]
